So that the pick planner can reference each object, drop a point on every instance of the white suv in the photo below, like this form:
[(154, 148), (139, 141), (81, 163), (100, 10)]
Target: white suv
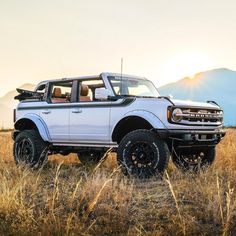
[(89, 115)]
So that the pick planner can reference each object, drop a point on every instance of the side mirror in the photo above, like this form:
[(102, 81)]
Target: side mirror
[(102, 93)]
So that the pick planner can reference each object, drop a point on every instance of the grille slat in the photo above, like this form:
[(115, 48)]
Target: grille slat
[(199, 116)]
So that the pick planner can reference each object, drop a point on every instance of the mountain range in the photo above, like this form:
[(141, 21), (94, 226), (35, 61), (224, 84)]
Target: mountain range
[(7, 104), (217, 85)]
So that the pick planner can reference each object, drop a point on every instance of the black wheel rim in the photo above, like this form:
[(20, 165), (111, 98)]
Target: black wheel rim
[(191, 162), (193, 159), (142, 159), (24, 151)]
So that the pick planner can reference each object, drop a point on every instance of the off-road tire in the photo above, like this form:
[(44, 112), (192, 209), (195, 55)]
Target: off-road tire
[(29, 149), (195, 161), (142, 154), (90, 157)]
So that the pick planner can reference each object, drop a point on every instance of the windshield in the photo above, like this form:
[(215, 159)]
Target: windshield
[(133, 86)]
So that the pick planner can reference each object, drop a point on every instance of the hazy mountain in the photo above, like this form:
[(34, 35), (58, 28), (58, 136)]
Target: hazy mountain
[(218, 85), (6, 118), (7, 104), (11, 94)]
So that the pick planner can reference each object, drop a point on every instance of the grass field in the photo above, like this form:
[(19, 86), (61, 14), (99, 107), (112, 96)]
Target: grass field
[(66, 198)]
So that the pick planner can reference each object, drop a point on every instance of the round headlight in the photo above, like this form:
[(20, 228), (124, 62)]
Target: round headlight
[(177, 115)]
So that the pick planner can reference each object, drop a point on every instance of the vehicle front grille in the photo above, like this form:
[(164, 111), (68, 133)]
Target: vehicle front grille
[(199, 116)]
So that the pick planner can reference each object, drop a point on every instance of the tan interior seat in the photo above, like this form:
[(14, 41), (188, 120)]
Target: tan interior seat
[(57, 96), (56, 93), (84, 91)]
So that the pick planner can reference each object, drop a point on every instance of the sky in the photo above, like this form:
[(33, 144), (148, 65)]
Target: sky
[(162, 40)]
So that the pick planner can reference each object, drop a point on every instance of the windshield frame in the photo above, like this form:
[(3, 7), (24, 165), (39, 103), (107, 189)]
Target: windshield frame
[(125, 77)]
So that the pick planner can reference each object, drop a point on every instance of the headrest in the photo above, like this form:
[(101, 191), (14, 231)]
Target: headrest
[(56, 93), (84, 90)]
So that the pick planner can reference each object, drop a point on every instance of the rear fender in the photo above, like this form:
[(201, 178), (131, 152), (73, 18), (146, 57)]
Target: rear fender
[(39, 123)]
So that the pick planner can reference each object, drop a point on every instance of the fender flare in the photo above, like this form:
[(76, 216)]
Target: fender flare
[(39, 123), (152, 119)]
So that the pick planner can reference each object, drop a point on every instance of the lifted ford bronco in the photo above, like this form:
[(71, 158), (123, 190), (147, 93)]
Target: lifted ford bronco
[(89, 115)]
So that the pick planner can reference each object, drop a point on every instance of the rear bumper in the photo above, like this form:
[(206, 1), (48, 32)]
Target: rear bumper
[(190, 138)]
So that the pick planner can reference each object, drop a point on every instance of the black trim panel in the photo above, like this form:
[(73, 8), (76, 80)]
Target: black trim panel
[(195, 107), (125, 102), (194, 131), (214, 137)]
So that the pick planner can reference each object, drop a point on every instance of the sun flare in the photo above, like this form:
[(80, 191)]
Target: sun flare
[(188, 64)]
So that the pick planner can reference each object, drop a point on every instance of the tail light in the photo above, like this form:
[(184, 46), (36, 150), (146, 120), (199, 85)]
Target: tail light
[(14, 115)]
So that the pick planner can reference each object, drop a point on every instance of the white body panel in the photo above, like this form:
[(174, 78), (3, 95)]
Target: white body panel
[(57, 121), (89, 124)]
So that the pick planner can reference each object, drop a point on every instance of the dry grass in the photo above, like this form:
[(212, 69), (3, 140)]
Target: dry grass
[(66, 198)]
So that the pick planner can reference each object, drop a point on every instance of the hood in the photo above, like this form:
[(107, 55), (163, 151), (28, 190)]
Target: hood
[(189, 103)]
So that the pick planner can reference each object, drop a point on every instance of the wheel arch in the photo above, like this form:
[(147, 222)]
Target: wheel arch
[(30, 122), (135, 120)]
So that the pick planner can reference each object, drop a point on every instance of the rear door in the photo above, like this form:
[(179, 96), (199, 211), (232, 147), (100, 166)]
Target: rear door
[(57, 110)]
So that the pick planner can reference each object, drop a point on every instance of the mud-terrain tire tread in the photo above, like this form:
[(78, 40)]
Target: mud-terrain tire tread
[(148, 136), (39, 146)]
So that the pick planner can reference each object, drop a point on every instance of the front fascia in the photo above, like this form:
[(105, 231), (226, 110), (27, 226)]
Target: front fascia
[(154, 110)]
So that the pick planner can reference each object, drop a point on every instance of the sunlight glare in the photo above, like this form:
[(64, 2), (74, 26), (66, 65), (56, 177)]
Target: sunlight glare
[(187, 65)]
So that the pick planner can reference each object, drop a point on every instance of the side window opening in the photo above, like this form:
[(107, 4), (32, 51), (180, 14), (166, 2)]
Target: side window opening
[(87, 89), (60, 92), (42, 91)]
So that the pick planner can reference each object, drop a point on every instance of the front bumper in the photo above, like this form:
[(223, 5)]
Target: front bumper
[(190, 138)]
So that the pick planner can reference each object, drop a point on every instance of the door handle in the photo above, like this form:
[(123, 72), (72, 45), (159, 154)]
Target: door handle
[(46, 112), (77, 111)]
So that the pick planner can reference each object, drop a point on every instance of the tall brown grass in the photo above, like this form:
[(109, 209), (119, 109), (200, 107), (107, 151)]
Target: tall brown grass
[(66, 198)]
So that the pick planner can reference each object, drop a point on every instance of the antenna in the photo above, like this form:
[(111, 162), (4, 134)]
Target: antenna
[(121, 66), (121, 73)]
